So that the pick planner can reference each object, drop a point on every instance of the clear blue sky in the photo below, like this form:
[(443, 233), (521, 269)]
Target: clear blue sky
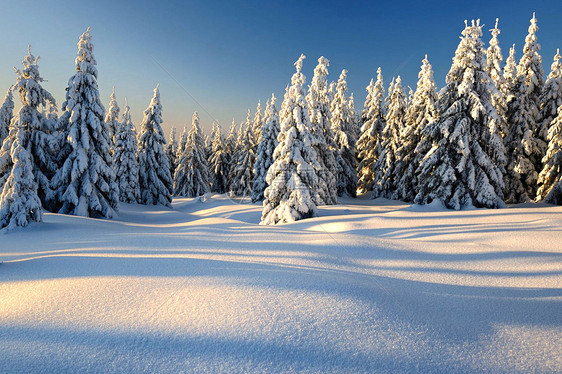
[(228, 54)]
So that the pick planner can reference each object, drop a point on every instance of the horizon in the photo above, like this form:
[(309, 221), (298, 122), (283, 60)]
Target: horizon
[(208, 61)]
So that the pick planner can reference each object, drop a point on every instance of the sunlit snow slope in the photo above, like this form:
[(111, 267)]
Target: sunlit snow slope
[(369, 286)]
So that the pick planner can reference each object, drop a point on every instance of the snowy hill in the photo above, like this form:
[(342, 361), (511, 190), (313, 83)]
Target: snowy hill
[(368, 286)]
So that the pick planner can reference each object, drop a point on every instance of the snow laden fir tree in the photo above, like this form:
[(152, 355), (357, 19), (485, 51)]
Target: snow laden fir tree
[(112, 118), (550, 178), (191, 178), (154, 168), (465, 162), (292, 177), (266, 147), (125, 160), (6, 114), (219, 161), (85, 184), (241, 175)]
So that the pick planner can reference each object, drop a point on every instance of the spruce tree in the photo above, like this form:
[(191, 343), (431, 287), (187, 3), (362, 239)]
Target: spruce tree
[(218, 162), (112, 119), (266, 147), (229, 150), (85, 185), (292, 176), (191, 178), (171, 150), (550, 178), (242, 172), (464, 166), (154, 168), (421, 111), (125, 160), (551, 97), (494, 60), (369, 143), (257, 124), (6, 114), (386, 176), (343, 127), (320, 117)]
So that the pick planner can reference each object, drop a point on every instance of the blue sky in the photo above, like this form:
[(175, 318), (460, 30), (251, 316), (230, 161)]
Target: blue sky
[(229, 54)]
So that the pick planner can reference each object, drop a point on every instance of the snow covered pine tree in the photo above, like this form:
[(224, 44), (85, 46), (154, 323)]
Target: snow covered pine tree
[(125, 160), (550, 178), (6, 114), (292, 177), (243, 161)]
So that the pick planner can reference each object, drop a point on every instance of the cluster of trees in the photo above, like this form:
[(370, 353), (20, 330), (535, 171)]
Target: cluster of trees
[(491, 136)]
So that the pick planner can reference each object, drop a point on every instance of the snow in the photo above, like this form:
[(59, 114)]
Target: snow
[(367, 286)]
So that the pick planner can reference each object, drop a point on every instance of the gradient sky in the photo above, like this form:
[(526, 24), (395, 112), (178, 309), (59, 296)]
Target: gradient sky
[(221, 57)]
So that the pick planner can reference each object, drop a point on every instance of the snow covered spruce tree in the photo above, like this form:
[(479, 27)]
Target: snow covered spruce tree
[(421, 111), (494, 60), (465, 164), (292, 177), (266, 147), (257, 124), (320, 117), (229, 152), (550, 178), (368, 145), (343, 127), (112, 119), (219, 161), (191, 178), (530, 67), (386, 173), (38, 140), (19, 203), (171, 150), (85, 184), (155, 180), (522, 147), (242, 172), (125, 160), (551, 97), (6, 114)]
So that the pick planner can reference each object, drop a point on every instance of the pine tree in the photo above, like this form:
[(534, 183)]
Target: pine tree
[(171, 150), (257, 124), (550, 178), (242, 172), (154, 168), (85, 185), (219, 161), (266, 147), (229, 151), (421, 111), (464, 167), (19, 203), (125, 160), (292, 178), (182, 143), (369, 143), (530, 67), (38, 141), (191, 178), (112, 119), (494, 60), (320, 117), (551, 97), (344, 134), (386, 176), (522, 148), (6, 114)]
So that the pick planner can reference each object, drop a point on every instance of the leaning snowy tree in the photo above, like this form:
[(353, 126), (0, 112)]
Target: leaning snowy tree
[(368, 145), (292, 177), (551, 97), (386, 172), (550, 178), (6, 114), (125, 160), (191, 178), (266, 147), (242, 172), (219, 161), (38, 140), (85, 184), (112, 119), (523, 149), (420, 113), (464, 167), (320, 118), (154, 168), (343, 127)]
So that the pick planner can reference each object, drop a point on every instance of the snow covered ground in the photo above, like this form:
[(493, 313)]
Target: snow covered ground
[(369, 286)]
